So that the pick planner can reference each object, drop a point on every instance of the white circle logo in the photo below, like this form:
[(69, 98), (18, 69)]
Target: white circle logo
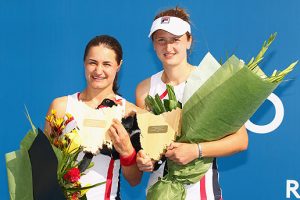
[(275, 123)]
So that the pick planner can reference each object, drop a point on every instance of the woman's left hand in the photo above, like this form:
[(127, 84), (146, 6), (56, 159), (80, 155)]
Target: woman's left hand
[(120, 138), (182, 153)]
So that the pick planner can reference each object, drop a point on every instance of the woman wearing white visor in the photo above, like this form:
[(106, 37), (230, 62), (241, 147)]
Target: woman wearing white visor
[(171, 37)]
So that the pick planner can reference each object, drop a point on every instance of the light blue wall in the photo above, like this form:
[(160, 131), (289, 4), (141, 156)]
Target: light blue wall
[(41, 50)]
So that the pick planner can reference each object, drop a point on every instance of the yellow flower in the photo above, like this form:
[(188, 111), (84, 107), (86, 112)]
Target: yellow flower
[(58, 125), (58, 122), (53, 112), (68, 115), (50, 118), (75, 141)]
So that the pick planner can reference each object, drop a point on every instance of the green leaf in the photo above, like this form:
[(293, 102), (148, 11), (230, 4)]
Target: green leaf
[(171, 93), (84, 188), (30, 121), (170, 104), (151, 105), (278, 76), (254, 62), (159, 104)]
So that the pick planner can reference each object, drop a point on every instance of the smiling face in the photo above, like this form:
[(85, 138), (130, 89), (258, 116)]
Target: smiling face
[(101, 67), (171, 49)]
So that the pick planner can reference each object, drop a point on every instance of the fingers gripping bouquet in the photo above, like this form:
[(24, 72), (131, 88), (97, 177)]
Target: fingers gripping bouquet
[(214, 107)]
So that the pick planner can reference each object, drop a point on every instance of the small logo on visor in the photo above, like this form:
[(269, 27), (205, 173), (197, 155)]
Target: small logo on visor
[(165, 20)]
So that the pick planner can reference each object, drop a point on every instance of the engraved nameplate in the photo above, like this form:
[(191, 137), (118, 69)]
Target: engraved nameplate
[(94, 123), (158, 129)]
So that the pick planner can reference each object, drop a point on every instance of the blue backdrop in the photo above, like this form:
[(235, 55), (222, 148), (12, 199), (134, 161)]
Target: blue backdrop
[(41, 50)]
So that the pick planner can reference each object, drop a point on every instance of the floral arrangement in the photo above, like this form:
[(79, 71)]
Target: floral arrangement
[(217, 101), (56, 152), (64, 137)]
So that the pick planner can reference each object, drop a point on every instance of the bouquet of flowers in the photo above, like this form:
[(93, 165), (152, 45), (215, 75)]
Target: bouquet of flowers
[(67, 145), (215, 108), (48, 167)]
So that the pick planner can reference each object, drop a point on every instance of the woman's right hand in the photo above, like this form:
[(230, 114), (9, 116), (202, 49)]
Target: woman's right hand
[(144, 162)]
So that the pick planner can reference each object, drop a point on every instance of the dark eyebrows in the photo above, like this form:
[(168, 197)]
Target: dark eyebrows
[(95, 61), (107, 62), (92, 60)]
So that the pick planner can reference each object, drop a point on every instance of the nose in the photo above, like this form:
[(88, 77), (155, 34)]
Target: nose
[(169, 46), (99, 69)]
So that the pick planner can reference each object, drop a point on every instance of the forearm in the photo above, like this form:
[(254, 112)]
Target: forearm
[(229, 145), (183, 153), (129, 167), (132, 174)]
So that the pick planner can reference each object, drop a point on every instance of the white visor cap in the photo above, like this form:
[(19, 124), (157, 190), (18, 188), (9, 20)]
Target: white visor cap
[(173, 25)]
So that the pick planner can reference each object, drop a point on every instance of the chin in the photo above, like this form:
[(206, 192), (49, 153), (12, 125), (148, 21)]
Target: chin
[(171, 62), (98, 86)]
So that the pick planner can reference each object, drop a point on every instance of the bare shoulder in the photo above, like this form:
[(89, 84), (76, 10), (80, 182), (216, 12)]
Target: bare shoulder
[(59, 104), (142, 90), (131, 109), (143, 87), (130, 106)]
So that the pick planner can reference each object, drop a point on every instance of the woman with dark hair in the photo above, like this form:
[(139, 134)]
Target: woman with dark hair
[(171, 37), (102, 61)]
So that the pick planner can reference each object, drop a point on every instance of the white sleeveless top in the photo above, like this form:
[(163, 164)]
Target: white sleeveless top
[(105, 167), (208, 187)]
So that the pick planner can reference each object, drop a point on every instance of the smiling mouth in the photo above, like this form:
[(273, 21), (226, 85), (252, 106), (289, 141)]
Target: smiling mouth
[(98, 78), (169, 55)]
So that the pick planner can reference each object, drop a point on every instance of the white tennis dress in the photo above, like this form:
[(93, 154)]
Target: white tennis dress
[(208, 187), (106, 165)]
